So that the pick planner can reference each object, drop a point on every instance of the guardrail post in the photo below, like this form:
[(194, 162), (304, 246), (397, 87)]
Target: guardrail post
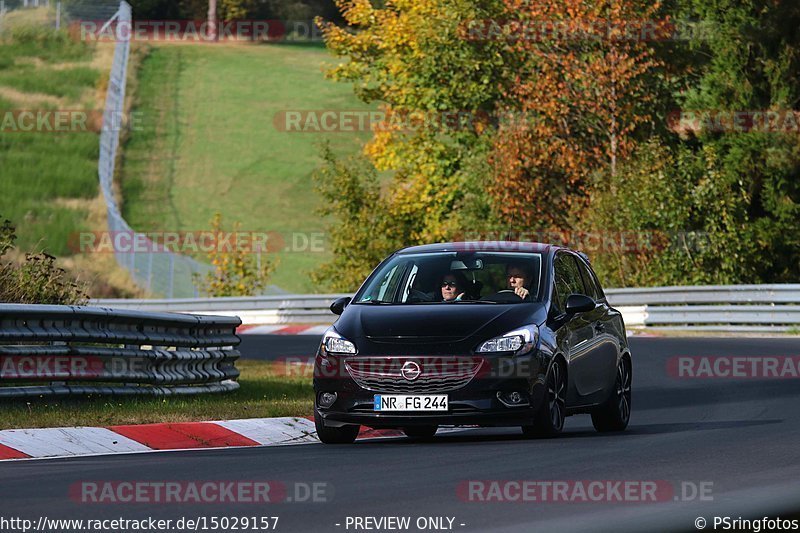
[(149, 271), (171, 275)]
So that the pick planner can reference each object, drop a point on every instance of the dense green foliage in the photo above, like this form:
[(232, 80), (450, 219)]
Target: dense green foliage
[(36, 279), (736, 194), (591, 145)]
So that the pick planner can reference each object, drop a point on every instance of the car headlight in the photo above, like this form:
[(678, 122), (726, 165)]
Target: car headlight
[(519, 341), (333, 343)]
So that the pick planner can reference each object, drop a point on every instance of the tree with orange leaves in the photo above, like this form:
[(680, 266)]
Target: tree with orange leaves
[(574, 106)]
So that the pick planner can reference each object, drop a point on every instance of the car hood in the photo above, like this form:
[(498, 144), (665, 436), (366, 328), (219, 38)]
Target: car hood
[(435, 322)]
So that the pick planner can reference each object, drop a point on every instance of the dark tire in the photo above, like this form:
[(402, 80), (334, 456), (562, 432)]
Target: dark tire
[(340, 435), (549, 420), (420, 432), (615, 413)]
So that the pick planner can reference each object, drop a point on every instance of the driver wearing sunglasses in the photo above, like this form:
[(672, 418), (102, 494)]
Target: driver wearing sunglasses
[(453, 289)]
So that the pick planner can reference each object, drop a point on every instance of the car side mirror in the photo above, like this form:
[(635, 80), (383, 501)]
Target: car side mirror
[(338, 305), (579, 303)]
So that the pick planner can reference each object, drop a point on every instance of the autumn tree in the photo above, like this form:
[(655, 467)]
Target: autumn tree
[(237, 270), (725, 200), (584, 88), (570, 130), (438, 92)]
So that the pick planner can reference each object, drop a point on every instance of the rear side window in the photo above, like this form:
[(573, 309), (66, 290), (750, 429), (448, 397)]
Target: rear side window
[(567, 279), (590, 282)]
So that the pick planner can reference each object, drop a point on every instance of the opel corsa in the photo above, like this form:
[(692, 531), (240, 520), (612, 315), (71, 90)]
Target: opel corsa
[(474, 334)]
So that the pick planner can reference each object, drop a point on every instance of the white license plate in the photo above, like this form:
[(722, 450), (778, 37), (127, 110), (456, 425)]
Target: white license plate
[(404, 402)]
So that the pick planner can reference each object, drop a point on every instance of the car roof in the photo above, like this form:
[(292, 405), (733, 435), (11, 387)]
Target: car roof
[(482, 246)]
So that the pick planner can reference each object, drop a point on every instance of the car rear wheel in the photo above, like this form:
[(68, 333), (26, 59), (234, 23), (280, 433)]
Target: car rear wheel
[(549, 420), (334, 435), (420, 432), (615, 413)]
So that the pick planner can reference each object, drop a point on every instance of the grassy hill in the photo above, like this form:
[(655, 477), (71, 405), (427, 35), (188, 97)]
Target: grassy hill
[(49, 179), (208, 143), (46, 175)]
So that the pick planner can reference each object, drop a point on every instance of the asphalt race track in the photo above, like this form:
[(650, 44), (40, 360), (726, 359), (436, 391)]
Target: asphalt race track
[(736, 438)]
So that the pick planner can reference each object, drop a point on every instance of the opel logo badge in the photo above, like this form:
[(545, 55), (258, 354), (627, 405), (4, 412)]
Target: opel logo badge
[(410, 370)]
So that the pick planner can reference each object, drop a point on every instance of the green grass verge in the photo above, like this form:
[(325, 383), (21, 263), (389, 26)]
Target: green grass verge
[(41, 168), (209, 143), (62, 83), (263, 393)]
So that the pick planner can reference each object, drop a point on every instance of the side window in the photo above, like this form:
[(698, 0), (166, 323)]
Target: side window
[(567, 279), (389, 283), (590, 282)]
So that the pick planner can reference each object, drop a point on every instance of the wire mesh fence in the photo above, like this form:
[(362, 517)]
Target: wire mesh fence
[(30, 12), (159, 271)]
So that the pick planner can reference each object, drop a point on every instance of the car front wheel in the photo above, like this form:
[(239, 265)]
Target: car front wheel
[(549, 420)]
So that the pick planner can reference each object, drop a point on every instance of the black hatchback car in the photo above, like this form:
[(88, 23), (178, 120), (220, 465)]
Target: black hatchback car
[(473, 333)]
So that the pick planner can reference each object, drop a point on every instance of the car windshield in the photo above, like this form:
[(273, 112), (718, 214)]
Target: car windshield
[(455, 277)]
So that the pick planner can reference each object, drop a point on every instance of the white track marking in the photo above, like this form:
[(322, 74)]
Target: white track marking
[(285, 430), (50, 442)]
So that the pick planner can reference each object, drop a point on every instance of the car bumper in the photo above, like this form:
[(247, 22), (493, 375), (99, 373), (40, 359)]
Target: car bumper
[(476, 403), (520, 417)]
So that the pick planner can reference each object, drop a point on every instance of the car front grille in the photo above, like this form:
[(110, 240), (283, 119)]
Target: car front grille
[(436, 374)]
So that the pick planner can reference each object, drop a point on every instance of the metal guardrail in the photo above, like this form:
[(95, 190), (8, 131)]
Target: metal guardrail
[(740, 308), (292, 309), (48, 350), (768, 308), (707, 294)]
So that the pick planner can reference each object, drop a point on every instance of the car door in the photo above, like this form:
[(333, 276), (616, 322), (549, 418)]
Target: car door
[(602, 366), (576, 333)]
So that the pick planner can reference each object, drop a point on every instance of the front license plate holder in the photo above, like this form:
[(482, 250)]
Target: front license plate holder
[(426, 403)]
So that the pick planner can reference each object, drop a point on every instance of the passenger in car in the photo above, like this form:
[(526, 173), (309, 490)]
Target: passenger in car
[(453, 286)]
